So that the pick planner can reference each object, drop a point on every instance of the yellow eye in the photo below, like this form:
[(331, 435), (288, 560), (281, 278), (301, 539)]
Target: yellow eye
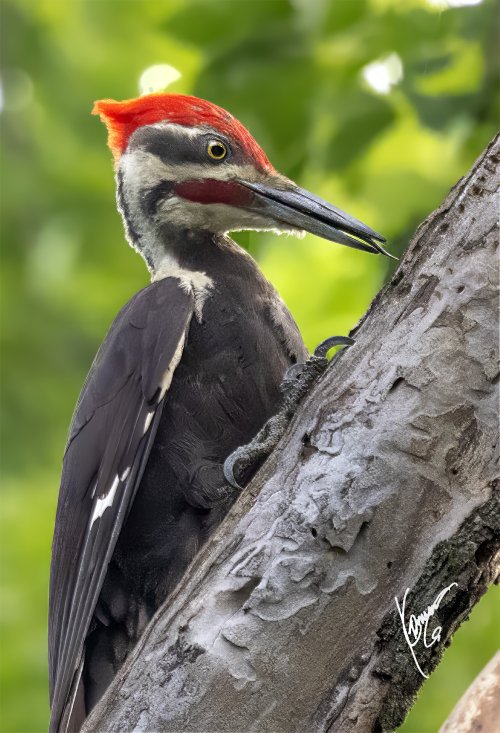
[(216, 150)]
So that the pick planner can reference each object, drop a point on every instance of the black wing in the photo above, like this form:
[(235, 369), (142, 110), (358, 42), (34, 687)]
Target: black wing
[(110, 438)]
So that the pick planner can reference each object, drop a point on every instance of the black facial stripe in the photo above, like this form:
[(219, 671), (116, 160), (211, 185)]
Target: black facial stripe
[(169, 148), (177, 145), (151, 197)]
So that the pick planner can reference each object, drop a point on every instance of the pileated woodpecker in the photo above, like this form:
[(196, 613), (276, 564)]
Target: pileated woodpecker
[(189, 371)]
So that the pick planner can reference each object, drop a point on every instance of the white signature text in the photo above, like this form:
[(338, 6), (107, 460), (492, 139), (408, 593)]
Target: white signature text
[(415, 628)]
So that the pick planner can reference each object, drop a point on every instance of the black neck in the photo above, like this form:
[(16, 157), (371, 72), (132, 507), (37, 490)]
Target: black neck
[(216, 255)]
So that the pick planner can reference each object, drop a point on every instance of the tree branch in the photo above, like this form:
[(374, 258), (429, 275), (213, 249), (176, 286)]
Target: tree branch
[(479, 707), (286, 620)]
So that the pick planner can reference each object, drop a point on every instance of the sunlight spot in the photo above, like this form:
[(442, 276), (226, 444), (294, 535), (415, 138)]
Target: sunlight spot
[(54, 253), (16, 90), (157, 78), (445, 4), (382, 75)]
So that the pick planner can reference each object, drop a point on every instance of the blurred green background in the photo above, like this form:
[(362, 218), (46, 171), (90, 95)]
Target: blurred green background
[(377, 105)]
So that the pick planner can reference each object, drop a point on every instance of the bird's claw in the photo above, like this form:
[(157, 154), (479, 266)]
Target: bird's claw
[(324, 347), (301, 376), (229, 467)]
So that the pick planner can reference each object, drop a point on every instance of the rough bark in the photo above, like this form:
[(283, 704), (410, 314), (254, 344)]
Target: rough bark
[(386, 480)]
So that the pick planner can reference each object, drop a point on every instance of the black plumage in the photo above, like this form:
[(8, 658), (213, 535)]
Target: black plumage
[(225, 386)]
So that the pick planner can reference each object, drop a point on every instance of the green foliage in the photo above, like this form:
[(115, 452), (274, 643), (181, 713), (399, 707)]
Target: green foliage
[(292, 71)]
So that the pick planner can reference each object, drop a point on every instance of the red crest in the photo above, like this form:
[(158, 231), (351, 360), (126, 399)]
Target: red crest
[(123, 118)]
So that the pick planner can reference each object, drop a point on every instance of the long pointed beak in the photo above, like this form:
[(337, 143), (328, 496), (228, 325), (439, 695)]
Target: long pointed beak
[(298, 209)]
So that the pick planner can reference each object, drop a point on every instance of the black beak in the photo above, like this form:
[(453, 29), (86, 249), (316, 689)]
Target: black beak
[(298, 209)]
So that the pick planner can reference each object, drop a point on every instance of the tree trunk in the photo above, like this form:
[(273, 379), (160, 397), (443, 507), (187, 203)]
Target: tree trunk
[(386, 481)]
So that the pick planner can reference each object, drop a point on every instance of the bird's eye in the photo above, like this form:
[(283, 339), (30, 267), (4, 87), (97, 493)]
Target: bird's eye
[(216, 150)]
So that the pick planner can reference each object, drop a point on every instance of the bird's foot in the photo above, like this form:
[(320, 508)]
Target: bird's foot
[(297, 381), (253, 454), (299, 378)]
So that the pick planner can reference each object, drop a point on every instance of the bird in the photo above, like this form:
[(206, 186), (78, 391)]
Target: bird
[(189, 372)]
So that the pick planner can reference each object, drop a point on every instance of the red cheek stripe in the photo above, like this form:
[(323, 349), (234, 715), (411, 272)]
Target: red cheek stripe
[(213, 191)]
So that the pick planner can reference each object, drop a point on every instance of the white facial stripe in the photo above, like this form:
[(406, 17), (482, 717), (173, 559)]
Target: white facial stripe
[(215, 217), (183, 130), (145, 170)]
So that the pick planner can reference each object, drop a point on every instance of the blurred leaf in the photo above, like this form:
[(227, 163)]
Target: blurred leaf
[(342, 16), (359, 122), (442, 111), (463, 74), (268, 79), (213, 25)]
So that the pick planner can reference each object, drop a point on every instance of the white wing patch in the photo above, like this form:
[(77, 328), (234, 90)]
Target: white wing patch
[(148, 420), (103, 502), (169, 373), (125, 474)]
